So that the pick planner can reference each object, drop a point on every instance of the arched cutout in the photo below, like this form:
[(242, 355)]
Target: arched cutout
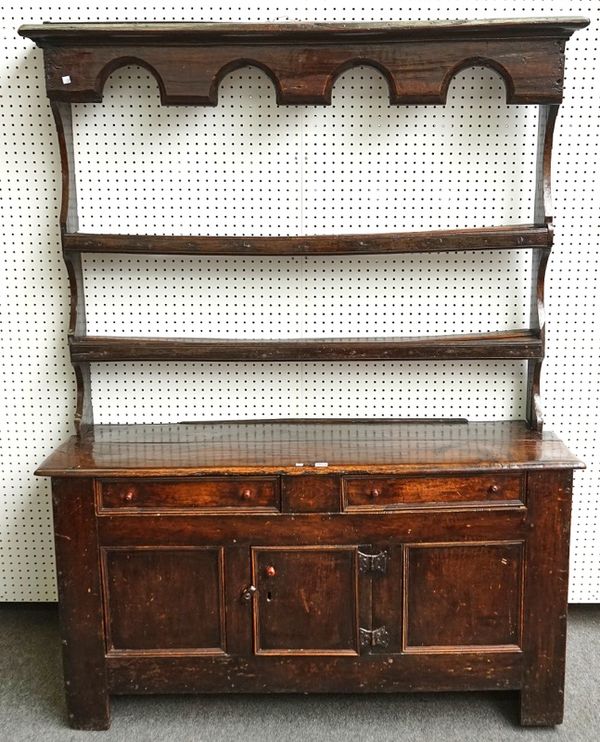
[(237, 64), (479, 62), (287, 96), (360, 62), (120, 62)]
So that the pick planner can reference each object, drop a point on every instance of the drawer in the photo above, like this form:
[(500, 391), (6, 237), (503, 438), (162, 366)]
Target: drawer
[(389, 493), (214, 494)]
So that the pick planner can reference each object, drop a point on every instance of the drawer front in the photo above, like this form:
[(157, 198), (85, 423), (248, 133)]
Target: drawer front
[(390, 493), (221, 494)]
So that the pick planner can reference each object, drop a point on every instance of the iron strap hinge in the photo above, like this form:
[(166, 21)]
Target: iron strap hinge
[(373, 562), (375, 638)]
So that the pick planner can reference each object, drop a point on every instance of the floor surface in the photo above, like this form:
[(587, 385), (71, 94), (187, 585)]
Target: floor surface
[(32, 706)]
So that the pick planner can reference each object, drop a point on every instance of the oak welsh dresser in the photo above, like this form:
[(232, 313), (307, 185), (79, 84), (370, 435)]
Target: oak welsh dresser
[(311, 555)]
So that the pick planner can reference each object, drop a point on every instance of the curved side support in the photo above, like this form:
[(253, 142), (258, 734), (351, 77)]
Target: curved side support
[(543, 182), (84, 414), (540, 257), (77, 320), (535, 409), (69, 223), (64, 129)]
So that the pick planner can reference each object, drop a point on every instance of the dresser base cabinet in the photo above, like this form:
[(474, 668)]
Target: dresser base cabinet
[(334, 581)]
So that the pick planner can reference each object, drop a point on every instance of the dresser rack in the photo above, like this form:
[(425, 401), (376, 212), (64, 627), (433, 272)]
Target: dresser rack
[(311, 555)]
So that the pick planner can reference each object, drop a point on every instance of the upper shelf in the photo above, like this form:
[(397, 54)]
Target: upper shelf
[(303, 59), (507, 345)]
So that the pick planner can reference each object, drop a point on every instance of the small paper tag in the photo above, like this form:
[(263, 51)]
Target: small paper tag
[(66, 79), (321, 463), (299, 464)]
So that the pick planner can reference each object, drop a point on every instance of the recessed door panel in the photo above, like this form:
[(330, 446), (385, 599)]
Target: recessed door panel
[(460, 596), (162, 600), (307, 600)]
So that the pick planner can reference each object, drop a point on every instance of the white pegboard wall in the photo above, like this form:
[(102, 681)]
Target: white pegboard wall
[(283, 297), (184, 392), (358, 165), (248, 166)]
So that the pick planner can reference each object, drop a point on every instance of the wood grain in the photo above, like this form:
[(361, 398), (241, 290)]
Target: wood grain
[(440, 240), (471, 671), (303, 60), (214, 494), (460, 595), (80, 603), (306, 600), (368, 493), (248, 448), (546, 591), (494, 345), (152, 595)]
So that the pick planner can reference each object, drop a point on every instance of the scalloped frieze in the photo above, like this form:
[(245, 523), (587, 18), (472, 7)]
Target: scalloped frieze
[(416, 72)]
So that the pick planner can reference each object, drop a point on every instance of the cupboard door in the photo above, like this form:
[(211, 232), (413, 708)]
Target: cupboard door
[(308, 600), (461, 596), (162, 600)]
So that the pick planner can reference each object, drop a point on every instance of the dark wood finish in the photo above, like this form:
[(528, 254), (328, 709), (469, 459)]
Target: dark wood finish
[(367, 494), (311, 555), (442, 240), (220, 494), (306, 600), (546, 593), (457, 596), (63, 121), (542, 214), (210, 32), (303, 60), (80, 603), (432, 598), (249, 448), (509, 344), (303, 529), (297, 674), (311, 494), (84, 415), (151, 596), (387, 587)]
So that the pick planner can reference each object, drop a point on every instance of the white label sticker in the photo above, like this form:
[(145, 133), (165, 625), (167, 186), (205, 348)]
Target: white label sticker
[(66, 79), (321, 463)]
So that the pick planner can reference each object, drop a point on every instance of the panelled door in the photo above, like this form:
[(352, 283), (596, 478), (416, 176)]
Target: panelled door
[(312, 599)]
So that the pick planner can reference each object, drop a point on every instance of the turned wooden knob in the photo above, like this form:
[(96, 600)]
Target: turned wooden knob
[(246, 494), (494, 488), (270, 571), (129, 495), (375, 493)]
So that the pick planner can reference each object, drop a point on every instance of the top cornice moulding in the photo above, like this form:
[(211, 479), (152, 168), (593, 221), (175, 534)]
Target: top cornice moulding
[(56, 34), (303, 60)]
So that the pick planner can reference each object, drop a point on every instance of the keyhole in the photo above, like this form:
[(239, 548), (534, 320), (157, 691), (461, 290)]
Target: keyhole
[(269, 597)]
